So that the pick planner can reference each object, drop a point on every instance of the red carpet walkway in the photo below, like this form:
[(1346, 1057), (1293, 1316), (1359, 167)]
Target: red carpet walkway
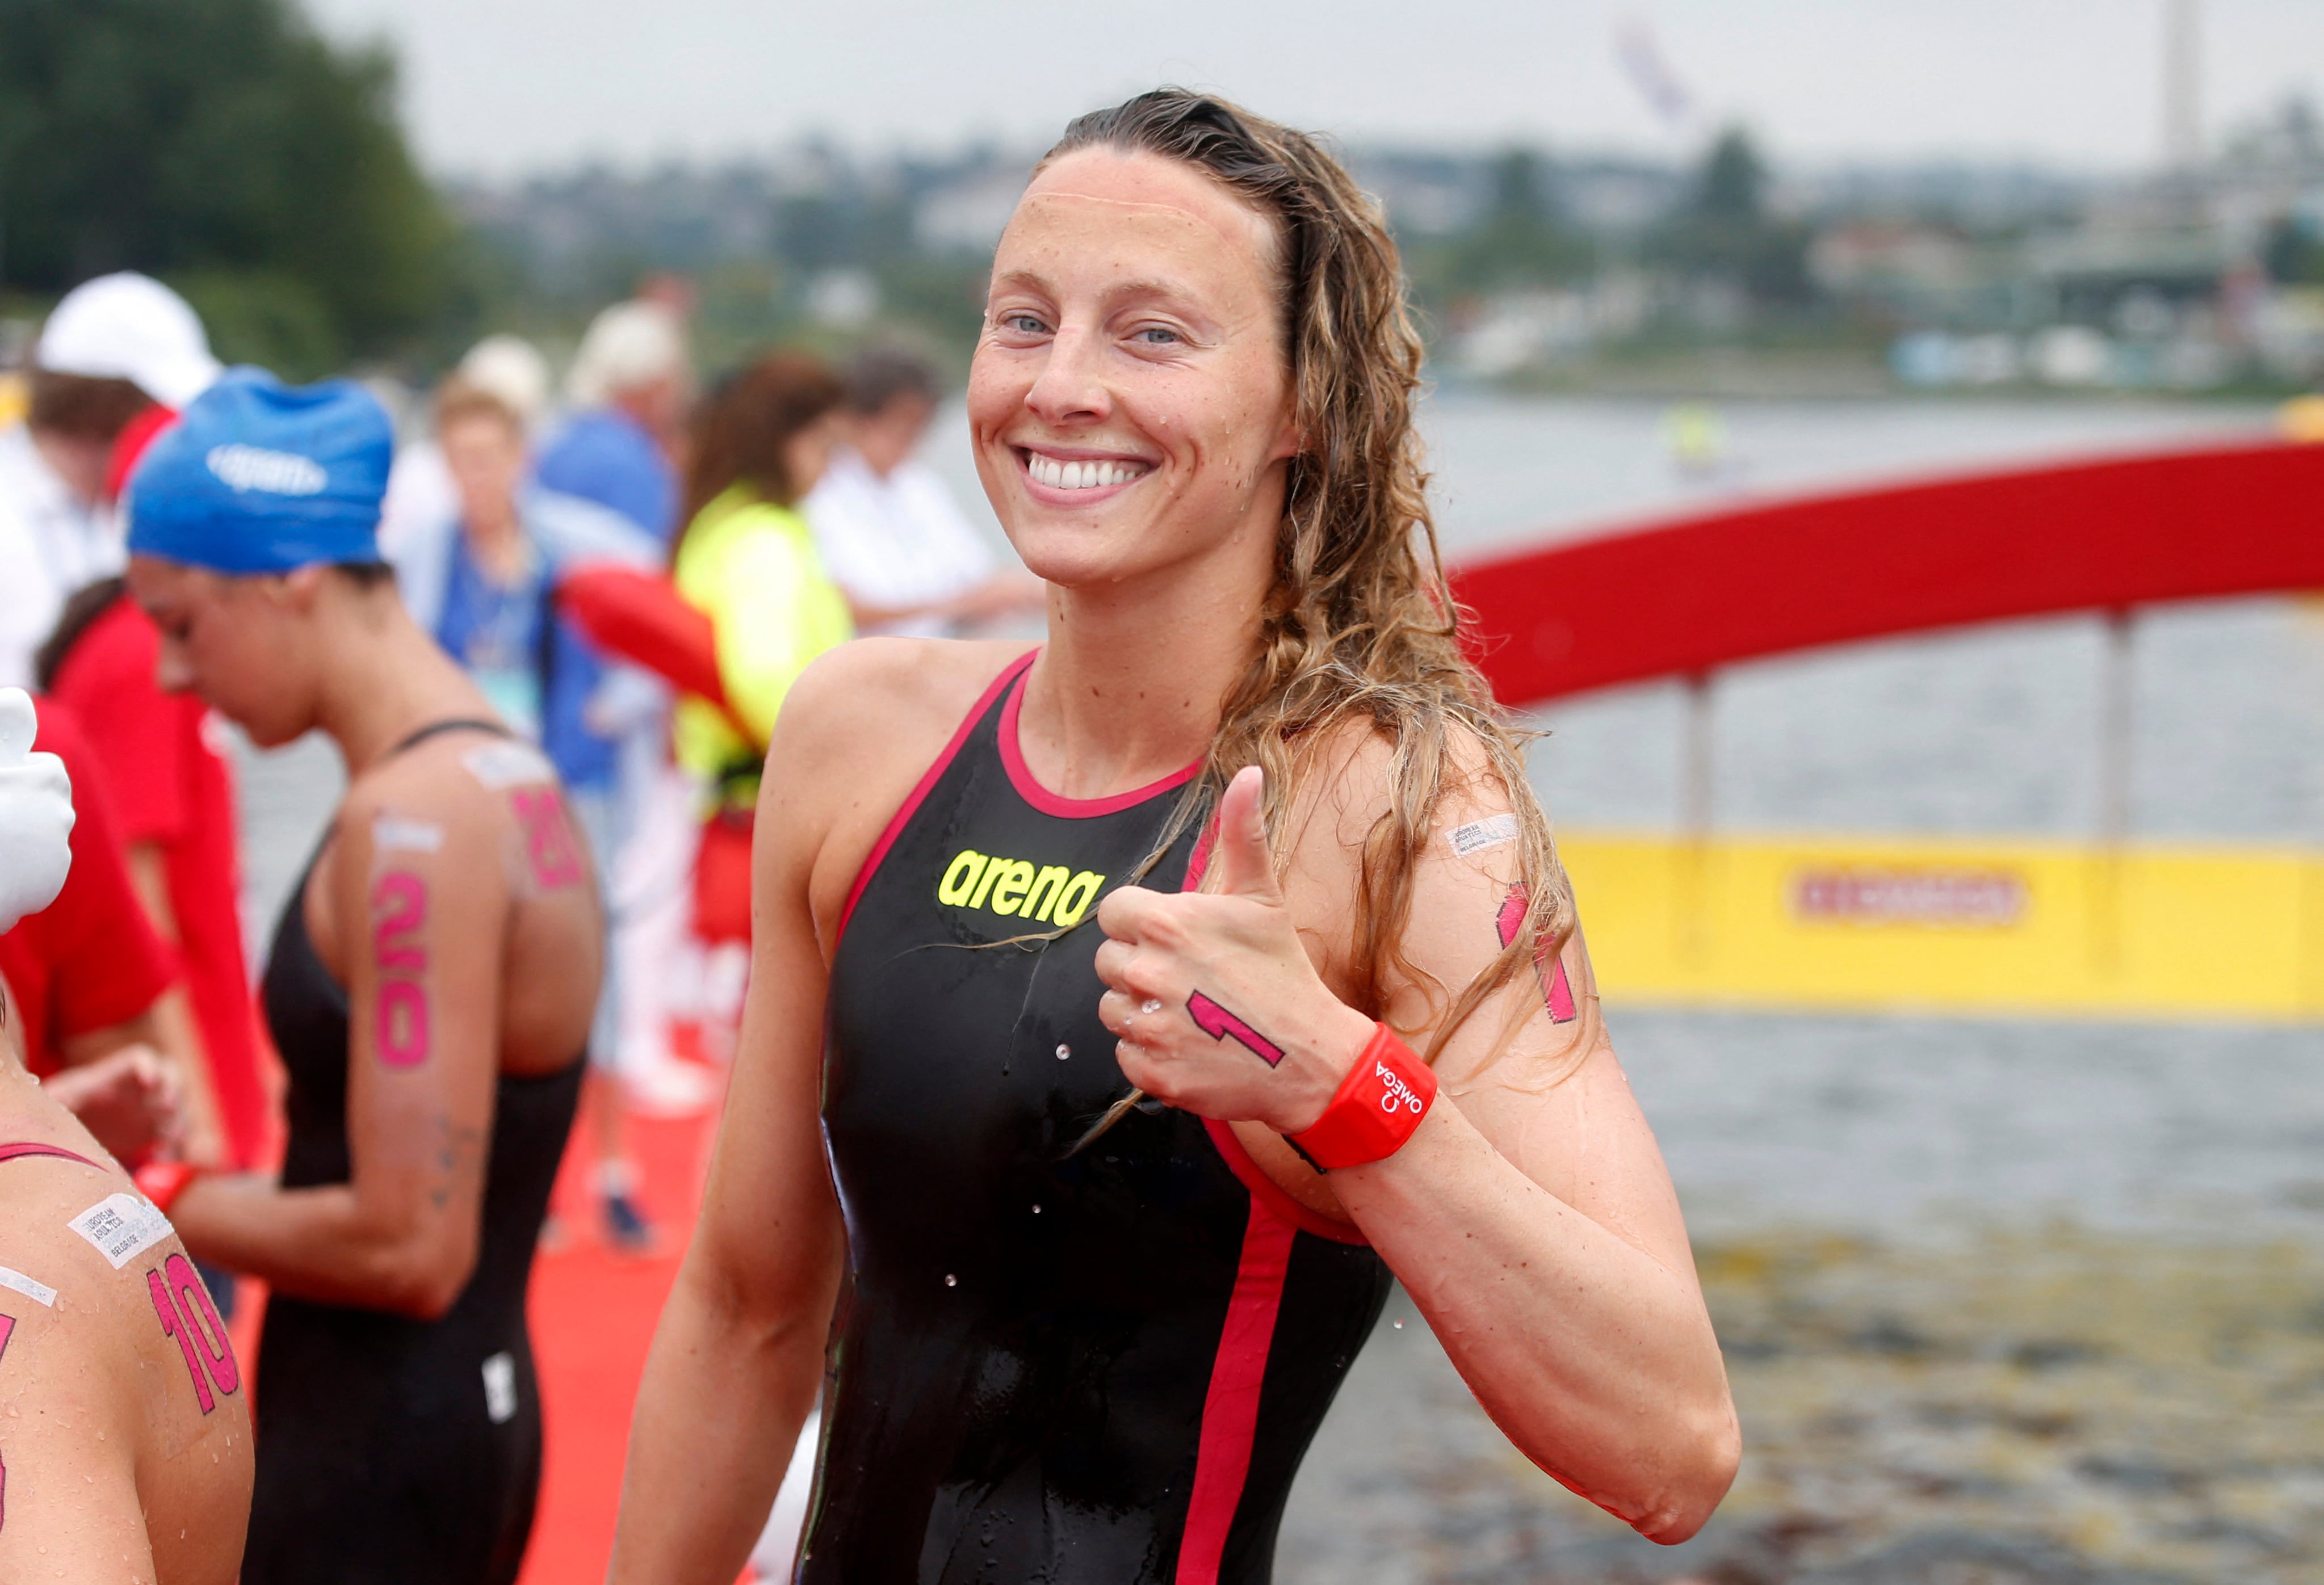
[(593, 1319)]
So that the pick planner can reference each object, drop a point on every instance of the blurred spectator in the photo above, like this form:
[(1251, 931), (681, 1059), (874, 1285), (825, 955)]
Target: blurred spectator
[(490, 608), (748, 560), (113, 362), (890, 535), (86, 973), (165, 759), (117, 355), (629, 387), (420, 501)]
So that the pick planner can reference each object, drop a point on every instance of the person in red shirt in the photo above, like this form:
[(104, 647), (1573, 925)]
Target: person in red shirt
[(173, 793), (86, 973)]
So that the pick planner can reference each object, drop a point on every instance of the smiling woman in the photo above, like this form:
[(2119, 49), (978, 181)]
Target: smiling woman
[(1116, 1206)]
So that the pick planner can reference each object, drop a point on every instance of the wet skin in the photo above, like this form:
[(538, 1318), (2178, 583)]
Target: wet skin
[(124, 1423), (1132, 324)]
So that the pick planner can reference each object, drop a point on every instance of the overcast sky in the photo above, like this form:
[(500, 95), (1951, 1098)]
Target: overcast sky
[(498, 86)]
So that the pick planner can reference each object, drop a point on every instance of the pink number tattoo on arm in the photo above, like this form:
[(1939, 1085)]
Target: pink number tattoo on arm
[(1218, 1023), (178, 1298), (399, 906), (1556, 991), (547, 837)]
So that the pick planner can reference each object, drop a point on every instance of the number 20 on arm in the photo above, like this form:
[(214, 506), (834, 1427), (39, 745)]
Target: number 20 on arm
[(399, 912)]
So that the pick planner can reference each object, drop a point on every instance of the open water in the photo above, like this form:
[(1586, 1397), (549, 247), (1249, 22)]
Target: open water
[(2002, 1301)]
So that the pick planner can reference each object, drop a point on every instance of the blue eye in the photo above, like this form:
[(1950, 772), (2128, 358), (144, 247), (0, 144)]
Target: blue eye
[(1025, 324), (1158, 335)]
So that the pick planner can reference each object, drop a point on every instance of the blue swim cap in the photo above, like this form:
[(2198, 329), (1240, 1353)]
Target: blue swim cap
[(257, 477)]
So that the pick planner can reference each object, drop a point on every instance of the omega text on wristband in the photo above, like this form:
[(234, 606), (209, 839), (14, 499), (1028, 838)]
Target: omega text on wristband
[(1376, 1109)]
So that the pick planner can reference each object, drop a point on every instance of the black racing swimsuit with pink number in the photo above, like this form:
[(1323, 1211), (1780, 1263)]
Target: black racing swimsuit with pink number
[(1086, 1369), (392, 1449)]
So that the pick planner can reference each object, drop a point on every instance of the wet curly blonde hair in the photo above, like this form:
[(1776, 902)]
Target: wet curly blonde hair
[(1359, 630)]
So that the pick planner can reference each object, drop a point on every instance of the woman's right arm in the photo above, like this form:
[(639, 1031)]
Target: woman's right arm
[(739, 1353)]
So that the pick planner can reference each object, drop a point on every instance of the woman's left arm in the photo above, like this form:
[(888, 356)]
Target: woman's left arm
[(1532, 1222), (417, 894)]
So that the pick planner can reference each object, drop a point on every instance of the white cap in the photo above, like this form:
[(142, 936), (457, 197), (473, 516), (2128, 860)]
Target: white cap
[(511, 369), (628, 345), (130, 326)]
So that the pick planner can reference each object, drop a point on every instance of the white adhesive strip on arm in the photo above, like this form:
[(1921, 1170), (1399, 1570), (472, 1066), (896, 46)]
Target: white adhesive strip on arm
[(1475, 837), (400, 834), (36, 814), (122, 1226), (504, 765), (33, 1288)]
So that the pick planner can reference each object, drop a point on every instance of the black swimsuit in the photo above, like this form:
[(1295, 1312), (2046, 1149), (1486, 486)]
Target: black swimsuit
[(1085, 1371), (391, 1451)]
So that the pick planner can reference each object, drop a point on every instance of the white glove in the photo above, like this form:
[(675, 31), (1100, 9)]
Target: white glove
[(36, 814)]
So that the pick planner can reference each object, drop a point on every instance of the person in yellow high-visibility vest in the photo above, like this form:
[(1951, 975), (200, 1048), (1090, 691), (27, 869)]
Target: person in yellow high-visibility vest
[(748, 560)]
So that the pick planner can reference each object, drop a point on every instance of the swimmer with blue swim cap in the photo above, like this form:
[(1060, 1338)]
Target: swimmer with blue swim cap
[(257, 477), (431, 989), (262, 501)]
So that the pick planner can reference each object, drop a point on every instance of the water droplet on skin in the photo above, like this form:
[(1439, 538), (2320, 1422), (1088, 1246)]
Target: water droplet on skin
[(1063, 1052), (951, 1281)]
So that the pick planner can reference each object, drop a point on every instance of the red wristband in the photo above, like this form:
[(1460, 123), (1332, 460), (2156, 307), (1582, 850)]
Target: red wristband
[(1376, 1109), (161, 1182)]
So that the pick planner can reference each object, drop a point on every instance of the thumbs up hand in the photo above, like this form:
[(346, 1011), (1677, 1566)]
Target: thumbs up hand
[(1217, 1006), (36, 814)]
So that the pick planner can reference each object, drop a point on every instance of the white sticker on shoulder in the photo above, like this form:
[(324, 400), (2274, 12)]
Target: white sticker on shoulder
[(1478, 835), (40, 1293), (411, 836), (121, 1227), (507, 764)]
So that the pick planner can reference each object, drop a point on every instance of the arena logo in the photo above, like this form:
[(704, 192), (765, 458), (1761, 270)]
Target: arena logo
[(1872, 894), (275, 473), (1016, 889)]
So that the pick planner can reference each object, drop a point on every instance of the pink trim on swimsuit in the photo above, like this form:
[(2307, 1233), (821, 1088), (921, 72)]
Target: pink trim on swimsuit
[(1263, 1188), (1231, 1407), (27, 1147), (1020, 776), (927, 784)]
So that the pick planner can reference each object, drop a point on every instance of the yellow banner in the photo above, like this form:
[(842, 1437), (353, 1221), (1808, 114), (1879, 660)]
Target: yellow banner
[(1954, 926)]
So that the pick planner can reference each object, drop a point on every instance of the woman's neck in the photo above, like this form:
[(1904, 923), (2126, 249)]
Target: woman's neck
[(383, 679), (1133, 679)]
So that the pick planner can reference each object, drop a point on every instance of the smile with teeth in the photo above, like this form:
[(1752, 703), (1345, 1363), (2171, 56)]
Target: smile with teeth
[(1080, 475)]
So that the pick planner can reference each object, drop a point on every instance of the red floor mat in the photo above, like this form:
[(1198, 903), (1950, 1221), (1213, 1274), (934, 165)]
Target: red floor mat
[(593, 1320)]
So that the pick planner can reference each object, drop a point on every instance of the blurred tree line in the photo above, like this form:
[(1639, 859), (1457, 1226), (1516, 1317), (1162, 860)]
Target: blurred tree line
[(1722, 231), (225, 147)]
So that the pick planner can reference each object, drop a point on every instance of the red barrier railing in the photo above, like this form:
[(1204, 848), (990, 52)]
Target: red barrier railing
[(1684, 596)]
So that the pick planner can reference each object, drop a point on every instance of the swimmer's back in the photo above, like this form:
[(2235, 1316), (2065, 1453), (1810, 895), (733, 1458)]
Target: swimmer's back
[(471, 786), (120, 1394)]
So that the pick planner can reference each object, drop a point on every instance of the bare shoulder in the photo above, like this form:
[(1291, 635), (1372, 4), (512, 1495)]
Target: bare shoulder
[(114, 1366), (857, 732), (460, 779), (460, 797), (873, 693), (1351, 783)]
